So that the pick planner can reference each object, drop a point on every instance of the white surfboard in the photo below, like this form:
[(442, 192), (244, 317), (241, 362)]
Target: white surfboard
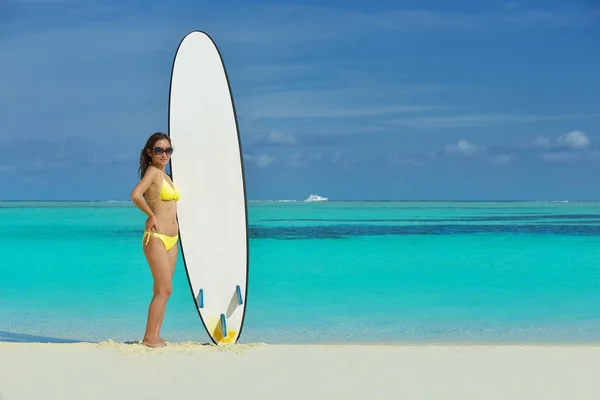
[(207, 168)]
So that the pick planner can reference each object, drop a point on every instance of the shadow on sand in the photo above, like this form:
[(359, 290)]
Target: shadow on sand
[(168, 343), (14, 337)]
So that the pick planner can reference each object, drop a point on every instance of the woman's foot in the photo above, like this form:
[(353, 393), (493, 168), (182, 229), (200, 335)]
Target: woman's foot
[(162, 340), (153, 342)]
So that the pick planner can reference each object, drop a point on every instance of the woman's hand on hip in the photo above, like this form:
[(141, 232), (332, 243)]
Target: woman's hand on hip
[(152, 224)]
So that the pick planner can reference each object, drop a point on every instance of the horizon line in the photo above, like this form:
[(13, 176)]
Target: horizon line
[(328, 201)]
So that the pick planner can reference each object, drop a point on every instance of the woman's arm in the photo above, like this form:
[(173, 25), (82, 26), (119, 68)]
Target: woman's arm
[(137, 194)]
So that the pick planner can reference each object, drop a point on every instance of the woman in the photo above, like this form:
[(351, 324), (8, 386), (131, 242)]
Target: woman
[(157, 196)]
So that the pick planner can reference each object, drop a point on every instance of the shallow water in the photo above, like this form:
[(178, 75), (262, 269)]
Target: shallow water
[(319, 272)]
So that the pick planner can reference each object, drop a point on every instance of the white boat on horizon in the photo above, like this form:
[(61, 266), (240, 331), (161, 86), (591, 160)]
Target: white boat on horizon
[(315, 197)]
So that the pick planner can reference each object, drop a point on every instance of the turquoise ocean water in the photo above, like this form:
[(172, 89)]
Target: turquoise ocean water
[(373, 272)]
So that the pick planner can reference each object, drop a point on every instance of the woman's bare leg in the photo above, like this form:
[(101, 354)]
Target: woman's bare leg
[(158, 261), (172, 256)]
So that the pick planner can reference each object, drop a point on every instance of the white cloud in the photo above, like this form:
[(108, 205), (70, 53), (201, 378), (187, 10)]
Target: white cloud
[(300, 160), (543, 142), (559, 157), (574, 139), (260, 161), (280, 138), (319, 103), (545, 18), (565, 147), (501, 159), (464, 148), (476, 120)]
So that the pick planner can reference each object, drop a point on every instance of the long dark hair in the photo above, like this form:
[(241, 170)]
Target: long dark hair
[(145, 159)]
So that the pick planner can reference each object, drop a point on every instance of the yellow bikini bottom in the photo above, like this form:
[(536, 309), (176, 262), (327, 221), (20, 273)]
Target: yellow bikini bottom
[(168, 241)]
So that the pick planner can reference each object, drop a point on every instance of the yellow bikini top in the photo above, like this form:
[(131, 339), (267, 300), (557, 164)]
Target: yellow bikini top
[(167, 192)]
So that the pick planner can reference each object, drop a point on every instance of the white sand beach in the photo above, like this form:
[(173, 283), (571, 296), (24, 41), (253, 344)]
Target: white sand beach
[(111, 370)]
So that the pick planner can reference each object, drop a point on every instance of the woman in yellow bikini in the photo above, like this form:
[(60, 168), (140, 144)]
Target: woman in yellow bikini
[(157, 196)]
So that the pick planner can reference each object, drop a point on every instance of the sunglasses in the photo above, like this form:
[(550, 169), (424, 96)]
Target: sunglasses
[(159, 150)]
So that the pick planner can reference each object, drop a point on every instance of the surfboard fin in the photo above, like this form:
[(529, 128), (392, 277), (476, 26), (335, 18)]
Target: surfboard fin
[(201, 298), (223, 326), (239, 294)]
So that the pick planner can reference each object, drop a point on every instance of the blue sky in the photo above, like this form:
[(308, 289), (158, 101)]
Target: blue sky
[(347, 99)]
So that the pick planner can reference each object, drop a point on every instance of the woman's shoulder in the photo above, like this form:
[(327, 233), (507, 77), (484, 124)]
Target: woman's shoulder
[(153, 173)]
